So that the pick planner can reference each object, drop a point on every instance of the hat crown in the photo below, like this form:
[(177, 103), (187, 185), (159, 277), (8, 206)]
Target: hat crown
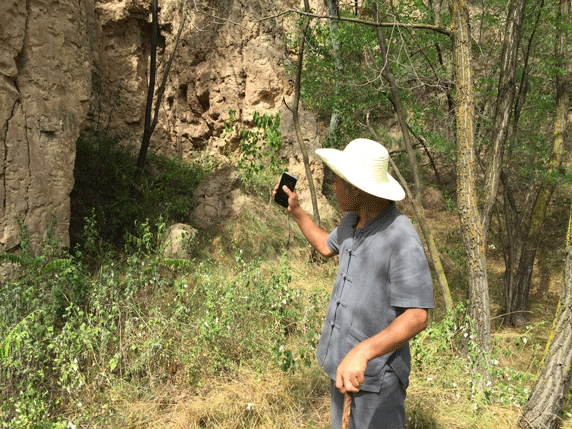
[(370, 158)]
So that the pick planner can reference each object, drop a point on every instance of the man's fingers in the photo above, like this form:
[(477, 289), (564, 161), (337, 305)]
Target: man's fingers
[(287, 190), (348, 384), (340, 384)]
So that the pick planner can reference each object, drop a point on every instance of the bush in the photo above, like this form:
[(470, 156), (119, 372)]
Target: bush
[(105, 193)]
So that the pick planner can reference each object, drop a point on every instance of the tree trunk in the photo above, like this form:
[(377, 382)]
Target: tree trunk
[(504, 105), (416, 198), (518, 287), (150, 94), (296, 119), (333, 9), (549, 392), (471, 228)]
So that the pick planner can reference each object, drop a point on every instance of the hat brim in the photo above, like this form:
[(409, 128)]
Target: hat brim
[(341, 166)]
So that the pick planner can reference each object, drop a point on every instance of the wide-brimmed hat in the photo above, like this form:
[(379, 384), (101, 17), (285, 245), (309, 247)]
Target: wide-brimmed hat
[(364, 164)]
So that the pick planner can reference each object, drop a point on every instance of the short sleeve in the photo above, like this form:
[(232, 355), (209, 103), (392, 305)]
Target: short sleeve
[(333, 241), (410, 277)]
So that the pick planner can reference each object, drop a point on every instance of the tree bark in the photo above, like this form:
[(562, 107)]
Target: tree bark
[(548, 395), (471, 228)]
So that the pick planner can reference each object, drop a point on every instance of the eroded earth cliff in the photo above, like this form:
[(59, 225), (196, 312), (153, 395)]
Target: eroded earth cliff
[(68, 65)]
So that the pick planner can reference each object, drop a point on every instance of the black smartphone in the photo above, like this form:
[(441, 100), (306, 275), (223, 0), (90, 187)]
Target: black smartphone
[(281, 197)]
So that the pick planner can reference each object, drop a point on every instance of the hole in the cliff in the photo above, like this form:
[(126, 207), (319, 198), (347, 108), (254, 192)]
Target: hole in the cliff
[(50, 135), (182, 93), (204, 100)]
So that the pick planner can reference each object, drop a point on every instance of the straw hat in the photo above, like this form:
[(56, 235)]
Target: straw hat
[(364, 164)]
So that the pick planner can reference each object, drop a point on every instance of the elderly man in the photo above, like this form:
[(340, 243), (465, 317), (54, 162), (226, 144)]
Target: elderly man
[(381, 294)]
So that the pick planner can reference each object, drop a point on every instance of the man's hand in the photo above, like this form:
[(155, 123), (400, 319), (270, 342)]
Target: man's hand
[(351, 371), (293, 203)]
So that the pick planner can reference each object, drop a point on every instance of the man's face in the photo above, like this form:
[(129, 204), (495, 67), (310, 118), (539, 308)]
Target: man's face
[(348, 198)]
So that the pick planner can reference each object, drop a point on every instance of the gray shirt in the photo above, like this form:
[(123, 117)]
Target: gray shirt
[(382, 271)]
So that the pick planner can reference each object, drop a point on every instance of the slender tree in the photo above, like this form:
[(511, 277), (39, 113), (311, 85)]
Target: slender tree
[(518, 285), (504, 106), (333, 10), (471, 227), (295, 114), (152, 113)]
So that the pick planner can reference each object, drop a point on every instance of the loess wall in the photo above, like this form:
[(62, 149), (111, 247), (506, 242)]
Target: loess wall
[(69, 65)]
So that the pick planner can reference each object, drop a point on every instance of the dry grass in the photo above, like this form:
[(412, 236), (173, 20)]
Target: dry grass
[(247, 400)]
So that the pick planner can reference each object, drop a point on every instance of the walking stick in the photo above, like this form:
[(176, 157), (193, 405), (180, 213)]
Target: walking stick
[(347, 410)]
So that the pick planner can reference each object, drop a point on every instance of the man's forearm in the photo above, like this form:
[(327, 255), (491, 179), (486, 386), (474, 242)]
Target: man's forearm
[(401, 330), (313, 233)]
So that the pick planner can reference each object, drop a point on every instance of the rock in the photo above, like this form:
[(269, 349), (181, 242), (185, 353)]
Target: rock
[(220, 197), (178, 240)]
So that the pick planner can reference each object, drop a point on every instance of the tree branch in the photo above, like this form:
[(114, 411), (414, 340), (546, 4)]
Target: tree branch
[(437, 28)]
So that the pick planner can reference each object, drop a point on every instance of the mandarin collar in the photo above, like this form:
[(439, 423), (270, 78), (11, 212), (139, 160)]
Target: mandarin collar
[(380, 217)]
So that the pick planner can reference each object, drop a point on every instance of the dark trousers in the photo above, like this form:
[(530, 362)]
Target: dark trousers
[(383, 410)]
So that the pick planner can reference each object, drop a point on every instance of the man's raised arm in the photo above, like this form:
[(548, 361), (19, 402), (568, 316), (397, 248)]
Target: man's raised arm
[(315, 235)]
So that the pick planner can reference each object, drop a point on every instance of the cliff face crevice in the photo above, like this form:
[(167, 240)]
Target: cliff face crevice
[(69, 65)]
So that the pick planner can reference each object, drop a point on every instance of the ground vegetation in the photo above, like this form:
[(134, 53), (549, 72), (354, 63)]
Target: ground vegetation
[(112, 334)]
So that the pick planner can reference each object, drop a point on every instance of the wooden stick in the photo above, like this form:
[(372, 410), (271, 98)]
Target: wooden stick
[(347, 410)]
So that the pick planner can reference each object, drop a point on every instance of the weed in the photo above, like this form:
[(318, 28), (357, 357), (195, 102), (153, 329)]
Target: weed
[(259, 149)]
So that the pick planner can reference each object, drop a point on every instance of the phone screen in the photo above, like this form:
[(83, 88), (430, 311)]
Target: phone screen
[(281, 197)]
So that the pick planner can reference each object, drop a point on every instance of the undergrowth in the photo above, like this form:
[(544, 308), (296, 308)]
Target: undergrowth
[(111, 334), (143, 321), (104, 188)]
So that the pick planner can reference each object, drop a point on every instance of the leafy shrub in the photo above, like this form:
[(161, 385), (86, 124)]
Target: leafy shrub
[(105, 193), (247, 319), (258, 156), (450, 344), (40, 356)]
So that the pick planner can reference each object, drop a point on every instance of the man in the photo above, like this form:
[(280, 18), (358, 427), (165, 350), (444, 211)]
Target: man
[(382, 291)]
